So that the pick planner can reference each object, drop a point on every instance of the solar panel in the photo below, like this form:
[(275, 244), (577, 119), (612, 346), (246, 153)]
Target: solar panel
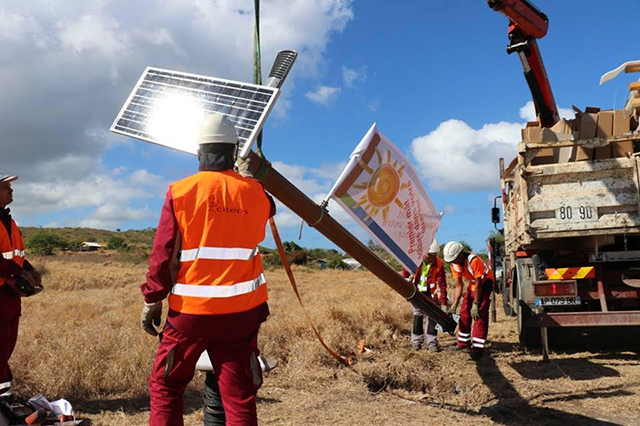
[(166, 107)]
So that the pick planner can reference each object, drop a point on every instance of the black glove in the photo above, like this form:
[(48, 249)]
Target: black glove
[(21, 287)]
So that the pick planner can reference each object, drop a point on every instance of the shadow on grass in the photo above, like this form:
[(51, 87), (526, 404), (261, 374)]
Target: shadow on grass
[(575, 369), (134, 405), (512, 408)]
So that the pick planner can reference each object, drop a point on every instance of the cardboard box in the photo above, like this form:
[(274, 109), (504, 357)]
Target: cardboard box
[(545, 156), (533, 134), (604, 130), (605, 124), (621, 122), (567, 154), (620, 149), (583, 154), (588, 125)]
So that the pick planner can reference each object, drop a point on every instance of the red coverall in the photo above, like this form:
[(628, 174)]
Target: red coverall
[(475, 271), (10, 309), (230, 339)]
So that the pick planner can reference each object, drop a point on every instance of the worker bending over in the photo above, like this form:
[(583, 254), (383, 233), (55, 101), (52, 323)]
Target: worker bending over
[(476, 300), (218, 296), (17, 279), (430, 280)]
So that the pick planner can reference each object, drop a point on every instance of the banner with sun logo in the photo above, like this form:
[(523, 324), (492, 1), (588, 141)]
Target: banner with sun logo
[(381, 190)]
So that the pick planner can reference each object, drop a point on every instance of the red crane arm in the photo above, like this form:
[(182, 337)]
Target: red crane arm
[(526, 24)]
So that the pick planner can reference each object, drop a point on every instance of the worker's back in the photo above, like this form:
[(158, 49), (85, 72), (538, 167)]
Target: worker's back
[(222, 217)]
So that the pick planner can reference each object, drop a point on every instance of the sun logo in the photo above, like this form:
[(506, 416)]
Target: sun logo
[(382, 188)]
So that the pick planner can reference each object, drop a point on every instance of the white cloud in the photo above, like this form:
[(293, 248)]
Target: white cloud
[(528, 112), (108, 194), (449, 209), (315, 182), (285, 218), (373, 105), (457, 157), (353, 76), (84, 57), (111, 216), (93, 32), (323, 95)]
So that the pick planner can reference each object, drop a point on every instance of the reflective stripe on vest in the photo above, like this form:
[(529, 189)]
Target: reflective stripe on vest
[(11, 254), (473, 284), (219, 290), (429, 275), (219, 253), (11, 248), (469, 259), (424, 276), (222, 218)]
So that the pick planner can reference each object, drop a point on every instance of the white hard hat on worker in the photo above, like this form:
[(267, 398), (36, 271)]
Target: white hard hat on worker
[(452, 250), (217, 129)]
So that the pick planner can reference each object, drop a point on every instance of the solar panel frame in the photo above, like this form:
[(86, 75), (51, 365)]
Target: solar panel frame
[(247, 113)]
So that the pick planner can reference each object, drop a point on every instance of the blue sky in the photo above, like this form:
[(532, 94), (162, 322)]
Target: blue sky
[(434, 75)]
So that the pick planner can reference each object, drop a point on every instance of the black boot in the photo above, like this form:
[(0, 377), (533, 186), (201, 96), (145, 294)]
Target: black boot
[(213, 409)]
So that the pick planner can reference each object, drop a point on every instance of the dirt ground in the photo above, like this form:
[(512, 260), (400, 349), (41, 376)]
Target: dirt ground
[(81, 340)]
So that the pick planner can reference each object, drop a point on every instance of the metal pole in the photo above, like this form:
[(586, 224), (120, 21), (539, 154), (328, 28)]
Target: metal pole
[(493, 307), (312, 213), (492, 245)]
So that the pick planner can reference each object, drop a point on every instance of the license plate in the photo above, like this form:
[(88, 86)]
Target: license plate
[(577, 213), (557, 301)]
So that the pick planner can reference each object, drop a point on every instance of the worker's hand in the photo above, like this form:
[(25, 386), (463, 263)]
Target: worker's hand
[(474, 311), (452, 310), (37, 277), (150, 317), (244, 167), (28, 276), (444, 308)]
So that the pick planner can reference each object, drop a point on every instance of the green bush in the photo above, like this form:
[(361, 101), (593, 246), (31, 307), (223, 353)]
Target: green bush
[(116, 243), (74, 245), (337, 263), (271, 260), (46, 242)]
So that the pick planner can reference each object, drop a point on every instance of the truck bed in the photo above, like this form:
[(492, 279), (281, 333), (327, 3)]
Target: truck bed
[(572, 199)]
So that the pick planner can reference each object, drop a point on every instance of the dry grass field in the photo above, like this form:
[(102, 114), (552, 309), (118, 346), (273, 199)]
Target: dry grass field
[(80, 340)]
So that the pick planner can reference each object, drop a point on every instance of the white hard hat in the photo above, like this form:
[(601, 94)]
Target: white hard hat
[(217, 128), (5, 177), (451, 250), (435, 248)]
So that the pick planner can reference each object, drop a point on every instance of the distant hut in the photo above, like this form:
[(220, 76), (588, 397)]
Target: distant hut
[(90, 246), (321, 263), (352, 263)]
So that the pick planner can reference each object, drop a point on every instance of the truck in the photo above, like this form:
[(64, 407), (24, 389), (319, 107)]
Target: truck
[(571, 254), (571, 205)]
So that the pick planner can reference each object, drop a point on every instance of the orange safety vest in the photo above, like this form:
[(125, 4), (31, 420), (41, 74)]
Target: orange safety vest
[(221, 217), (467, 271), (11, 248)]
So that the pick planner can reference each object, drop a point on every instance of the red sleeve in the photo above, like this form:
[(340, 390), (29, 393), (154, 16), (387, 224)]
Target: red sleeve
[(159, 281), (441, 279)]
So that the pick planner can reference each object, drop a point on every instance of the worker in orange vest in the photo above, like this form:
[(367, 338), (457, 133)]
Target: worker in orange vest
[(217, 294), (429, 279), (476, 300), (17, 279)]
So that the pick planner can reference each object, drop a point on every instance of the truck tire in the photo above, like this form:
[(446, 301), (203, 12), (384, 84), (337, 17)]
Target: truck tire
[(529, 336)]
